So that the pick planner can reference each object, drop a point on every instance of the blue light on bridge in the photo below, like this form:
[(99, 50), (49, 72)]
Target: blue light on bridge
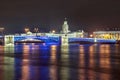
[(57, 40), (46, 39)]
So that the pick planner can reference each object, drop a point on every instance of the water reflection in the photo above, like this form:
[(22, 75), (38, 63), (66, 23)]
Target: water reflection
[(9, 62), (105, 56), (25, 63), (92, 60), (1, 62), (81, 72), (64, 62), (104, 61), (54, 62), (81, 56)]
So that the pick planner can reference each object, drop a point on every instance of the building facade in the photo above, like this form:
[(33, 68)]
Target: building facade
[(107, 34), (65, 27), (64, 32)]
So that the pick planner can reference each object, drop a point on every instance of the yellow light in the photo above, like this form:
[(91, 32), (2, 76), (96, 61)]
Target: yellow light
[(2, 29), (91, 35), (106, 36), (27, 29), (53, 31)]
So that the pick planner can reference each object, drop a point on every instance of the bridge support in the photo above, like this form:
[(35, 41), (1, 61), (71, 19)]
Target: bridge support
[(64, 40), (9, 40), (95, 40)]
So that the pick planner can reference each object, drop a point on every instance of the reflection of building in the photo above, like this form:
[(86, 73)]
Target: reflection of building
[(107, 34), (9, 69)]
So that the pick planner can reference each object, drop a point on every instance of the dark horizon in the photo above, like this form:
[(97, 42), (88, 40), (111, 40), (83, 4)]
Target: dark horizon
[(48, 15)]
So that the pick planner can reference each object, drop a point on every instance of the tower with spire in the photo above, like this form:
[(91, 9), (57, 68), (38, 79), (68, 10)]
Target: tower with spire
[(65, 27)]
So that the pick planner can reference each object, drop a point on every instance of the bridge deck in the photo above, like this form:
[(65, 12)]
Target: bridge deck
[(55, 39)]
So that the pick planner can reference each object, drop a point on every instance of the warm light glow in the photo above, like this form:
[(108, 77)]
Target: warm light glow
[(53, 31), (91, 35), (26, 49), (91, 56), (27, 30), (36, 30), (1, 29), (81, 56), (106, 36), (53, 60), (104, 56), (25, 69), (1, 49), (53, 53), (81, 62)]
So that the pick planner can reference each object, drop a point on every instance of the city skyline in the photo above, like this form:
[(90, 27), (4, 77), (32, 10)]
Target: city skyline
[(48, 15)]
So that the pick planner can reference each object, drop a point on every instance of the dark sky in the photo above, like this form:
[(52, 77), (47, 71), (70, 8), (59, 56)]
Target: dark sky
[(50, 14)]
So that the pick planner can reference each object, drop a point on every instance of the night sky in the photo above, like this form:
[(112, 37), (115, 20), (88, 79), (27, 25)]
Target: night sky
[(49, 14)]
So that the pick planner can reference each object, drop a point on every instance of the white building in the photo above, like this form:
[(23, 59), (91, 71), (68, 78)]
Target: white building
[(65, 27), (107, 34), (65, 32)]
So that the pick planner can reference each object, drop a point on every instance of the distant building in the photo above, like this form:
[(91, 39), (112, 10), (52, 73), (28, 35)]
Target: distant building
[(107, 34), (29, 33), (65, 27), (64, 32)]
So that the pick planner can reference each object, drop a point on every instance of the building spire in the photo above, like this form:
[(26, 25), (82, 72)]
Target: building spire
[(65, 27), (65, 22), (65, 19)]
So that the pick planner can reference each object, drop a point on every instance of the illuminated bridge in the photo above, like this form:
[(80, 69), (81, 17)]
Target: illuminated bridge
[(45, 39), (53, 39), (64, 37), (39, 39)]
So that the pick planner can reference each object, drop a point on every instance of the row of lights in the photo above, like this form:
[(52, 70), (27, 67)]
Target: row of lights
[(26, 29), (36, 30)]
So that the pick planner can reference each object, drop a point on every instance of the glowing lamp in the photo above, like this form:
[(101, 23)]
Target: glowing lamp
[(53, 31)]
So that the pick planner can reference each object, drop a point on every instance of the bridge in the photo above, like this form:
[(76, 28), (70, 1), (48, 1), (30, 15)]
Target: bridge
[(64, 37), (12, 39)]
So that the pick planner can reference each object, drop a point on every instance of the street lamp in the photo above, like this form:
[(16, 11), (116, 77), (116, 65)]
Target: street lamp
[(53, 31), (91, 35)]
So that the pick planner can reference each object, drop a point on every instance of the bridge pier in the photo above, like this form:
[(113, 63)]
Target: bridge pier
[(8, 40), (95, 40), (64, 40)]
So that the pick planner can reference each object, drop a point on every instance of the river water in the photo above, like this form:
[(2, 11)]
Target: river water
[(55, 62)]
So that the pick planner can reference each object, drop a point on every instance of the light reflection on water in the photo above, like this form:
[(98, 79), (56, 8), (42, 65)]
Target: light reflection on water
[(64, 60), (54, 62), (26, 63), (9, 63)]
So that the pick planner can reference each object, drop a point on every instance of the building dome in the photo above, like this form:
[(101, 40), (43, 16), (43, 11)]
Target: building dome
[(65, 27), (29, 33)]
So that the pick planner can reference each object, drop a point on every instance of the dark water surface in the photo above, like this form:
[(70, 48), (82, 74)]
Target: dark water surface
[(55, 62)]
